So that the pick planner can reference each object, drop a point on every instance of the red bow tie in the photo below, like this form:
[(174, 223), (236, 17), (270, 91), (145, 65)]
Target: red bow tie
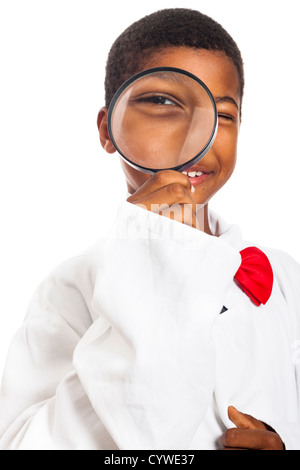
[(255, 275)]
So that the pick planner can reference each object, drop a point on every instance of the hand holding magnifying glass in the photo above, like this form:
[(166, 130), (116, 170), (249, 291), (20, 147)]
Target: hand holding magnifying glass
[(168, 193)]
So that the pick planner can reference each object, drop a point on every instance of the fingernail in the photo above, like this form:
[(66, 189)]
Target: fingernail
[(193, 189)]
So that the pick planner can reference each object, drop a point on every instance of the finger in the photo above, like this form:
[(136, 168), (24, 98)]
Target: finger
[(242, 420), (254, 439), (167, 196), (159, 180)]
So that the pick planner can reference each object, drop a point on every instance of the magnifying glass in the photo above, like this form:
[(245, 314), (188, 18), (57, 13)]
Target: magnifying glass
[(162, 118)]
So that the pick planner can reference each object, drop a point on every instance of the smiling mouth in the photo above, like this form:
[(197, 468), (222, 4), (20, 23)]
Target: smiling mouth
[(193, 174), (197, 177)]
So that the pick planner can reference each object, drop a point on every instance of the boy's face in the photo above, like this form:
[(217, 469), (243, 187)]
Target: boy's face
[(218, 72)]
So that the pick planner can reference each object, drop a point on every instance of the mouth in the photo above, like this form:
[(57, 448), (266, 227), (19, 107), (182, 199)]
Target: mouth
[(197, 175)]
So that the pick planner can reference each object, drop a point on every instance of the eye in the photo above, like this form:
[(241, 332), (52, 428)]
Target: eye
[(226, 117), (158, 99)]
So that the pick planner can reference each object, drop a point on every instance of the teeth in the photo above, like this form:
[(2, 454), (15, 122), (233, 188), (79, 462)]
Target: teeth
[(192, 174)]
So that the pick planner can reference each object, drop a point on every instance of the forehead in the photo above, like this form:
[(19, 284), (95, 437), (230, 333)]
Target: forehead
[(214, 68)]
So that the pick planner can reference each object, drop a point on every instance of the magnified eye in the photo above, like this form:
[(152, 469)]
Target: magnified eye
[(163, 118), (158, 99)]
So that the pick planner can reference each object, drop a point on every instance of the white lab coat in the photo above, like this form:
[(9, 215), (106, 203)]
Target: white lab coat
[(124, 346)]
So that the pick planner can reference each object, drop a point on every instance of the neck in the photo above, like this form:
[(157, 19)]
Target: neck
[(202, 219)]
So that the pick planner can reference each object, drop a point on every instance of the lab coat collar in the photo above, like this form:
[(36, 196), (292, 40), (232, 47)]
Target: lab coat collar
[(229, 233)]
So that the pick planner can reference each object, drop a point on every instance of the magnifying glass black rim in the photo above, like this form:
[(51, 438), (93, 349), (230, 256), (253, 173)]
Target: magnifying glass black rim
[(135, 77)]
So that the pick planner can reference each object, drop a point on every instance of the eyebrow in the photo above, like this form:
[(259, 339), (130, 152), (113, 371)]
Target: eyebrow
[(226, 99)]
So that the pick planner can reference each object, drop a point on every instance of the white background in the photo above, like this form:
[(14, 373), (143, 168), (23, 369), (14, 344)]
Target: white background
[(59, 189)]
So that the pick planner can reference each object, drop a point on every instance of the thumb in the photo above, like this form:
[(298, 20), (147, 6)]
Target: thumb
[(242, 420)]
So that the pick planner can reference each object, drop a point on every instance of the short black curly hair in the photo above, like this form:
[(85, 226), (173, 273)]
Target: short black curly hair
[(173, 27)]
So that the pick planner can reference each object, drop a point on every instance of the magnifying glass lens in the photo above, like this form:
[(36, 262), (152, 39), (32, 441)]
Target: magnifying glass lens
[(162, 119)]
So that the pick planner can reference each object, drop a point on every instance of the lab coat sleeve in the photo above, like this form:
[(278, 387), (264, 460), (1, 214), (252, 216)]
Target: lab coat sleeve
[(150, 373), (42, 402)]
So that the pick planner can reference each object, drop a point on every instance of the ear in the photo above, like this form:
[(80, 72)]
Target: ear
[(103, 131)]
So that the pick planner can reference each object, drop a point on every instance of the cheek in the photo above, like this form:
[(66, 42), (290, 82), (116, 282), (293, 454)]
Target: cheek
[(135, 179), (225, 149)]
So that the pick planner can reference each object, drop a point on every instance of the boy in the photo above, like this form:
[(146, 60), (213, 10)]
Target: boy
[(145, 340)]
